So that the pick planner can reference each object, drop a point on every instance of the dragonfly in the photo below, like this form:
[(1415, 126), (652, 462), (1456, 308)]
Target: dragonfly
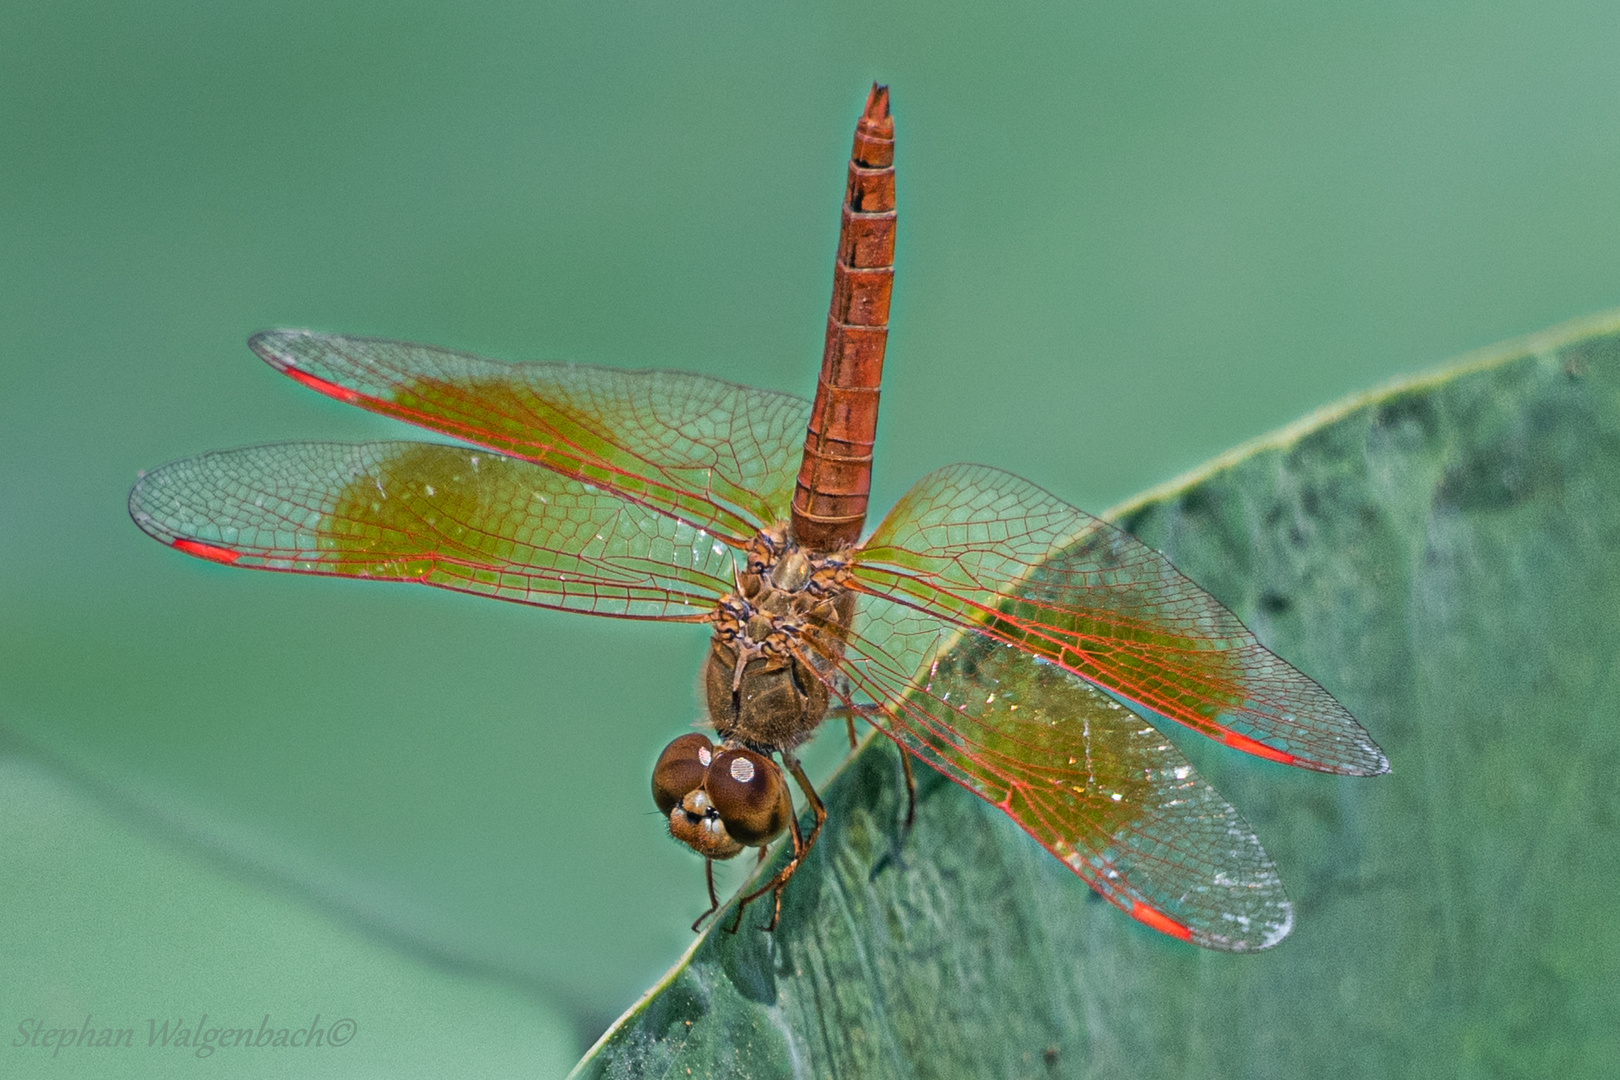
[(1012, 642)]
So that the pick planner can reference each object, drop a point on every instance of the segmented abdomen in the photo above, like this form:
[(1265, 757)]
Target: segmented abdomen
[(829, 502)]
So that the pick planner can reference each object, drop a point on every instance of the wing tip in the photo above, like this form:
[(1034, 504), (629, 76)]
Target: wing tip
[(1360, 758), (1280, 930), (1271, 932), (143, 518), (263, 341), (280, 349), (1364, 759), (276, 348), (271, 346)]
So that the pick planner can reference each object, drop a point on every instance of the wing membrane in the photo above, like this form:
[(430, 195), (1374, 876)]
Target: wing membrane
[(991, 552), (720, 457), (1095, 784), (449, 516)]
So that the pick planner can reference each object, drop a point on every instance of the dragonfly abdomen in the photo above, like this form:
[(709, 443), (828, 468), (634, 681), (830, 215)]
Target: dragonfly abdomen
[(829, 501)]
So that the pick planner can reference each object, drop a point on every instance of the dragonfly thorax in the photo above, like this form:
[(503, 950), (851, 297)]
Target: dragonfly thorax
[(777, 641)]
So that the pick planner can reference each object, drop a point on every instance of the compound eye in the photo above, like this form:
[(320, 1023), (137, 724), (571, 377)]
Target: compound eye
[(680, 770), (750, 796)]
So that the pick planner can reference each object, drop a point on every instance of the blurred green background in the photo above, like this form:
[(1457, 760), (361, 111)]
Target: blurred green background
[(1129, 239)]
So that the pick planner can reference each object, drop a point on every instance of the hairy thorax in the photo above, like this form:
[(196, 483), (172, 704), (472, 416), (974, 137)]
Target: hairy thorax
[(777, 642)]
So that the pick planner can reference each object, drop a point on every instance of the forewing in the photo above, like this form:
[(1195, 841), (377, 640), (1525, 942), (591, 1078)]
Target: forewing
[(988, 551), (1096, 785), (720, 457), (448, 516)]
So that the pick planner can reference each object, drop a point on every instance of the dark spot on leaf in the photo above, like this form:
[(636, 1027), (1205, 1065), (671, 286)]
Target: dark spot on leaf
[(1311, 502), (1132, 522), (1196, 502), (1412, 411), (1477, 484), (1323, 809), (1495, 478), (1275, 604)]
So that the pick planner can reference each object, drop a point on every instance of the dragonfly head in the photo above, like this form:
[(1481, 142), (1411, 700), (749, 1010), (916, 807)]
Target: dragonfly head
[(720, 799)]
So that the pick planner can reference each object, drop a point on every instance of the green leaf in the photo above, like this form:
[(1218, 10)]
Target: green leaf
[(107, 929), (1444, 556)]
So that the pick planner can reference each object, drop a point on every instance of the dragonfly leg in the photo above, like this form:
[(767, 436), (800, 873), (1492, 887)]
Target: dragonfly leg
[(911, 790), (801, 848), (714, 899), (850, 714), (798, 849)]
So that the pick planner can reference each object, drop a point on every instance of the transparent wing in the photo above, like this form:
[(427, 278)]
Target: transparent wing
[(448, 516), (1095, 784), (985, 550), (721, 457)]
